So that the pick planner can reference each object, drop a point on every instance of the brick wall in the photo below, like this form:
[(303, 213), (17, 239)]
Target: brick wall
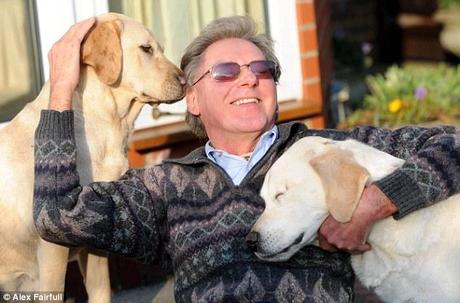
[(315, 67)]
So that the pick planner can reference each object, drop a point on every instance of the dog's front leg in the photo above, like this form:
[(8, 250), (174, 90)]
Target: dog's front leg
[(95, 271), (52, 266)]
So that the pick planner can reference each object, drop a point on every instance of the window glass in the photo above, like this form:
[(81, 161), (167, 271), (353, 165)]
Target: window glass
[(175, 23), (20, 77)]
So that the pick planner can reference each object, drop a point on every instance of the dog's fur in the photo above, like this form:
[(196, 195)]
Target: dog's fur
[(123, 68), (415, 259)]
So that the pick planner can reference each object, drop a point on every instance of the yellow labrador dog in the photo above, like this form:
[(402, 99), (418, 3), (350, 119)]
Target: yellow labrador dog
[(416, 259), (123, 69)]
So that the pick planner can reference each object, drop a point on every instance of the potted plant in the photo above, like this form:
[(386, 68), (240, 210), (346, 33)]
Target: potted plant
[(403, 96), (448, 14)]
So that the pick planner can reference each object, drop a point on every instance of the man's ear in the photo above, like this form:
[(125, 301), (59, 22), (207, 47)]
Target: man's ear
[(192, 101), (343, 180), (101, 49)]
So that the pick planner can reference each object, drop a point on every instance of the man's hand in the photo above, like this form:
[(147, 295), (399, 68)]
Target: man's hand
[(351, 236), (64, 59)]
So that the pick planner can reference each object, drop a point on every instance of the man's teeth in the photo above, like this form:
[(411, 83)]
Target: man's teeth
[(246, 100)]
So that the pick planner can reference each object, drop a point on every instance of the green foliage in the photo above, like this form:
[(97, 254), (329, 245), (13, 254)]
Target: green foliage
[(411, 96), (448, 3)]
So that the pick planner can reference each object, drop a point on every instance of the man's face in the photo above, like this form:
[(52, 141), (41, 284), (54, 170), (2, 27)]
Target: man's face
[(215, 101)]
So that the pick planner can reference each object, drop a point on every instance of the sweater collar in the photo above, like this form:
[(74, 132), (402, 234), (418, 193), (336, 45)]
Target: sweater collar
[(198, 155)]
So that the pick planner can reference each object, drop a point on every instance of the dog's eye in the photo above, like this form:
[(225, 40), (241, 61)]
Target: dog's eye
[(147, 48)]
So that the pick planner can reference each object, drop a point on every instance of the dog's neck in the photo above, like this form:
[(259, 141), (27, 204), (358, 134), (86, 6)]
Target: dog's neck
[(117, 103), (104, 119), (112, 113)]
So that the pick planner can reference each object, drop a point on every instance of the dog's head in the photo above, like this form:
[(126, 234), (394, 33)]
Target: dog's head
[(125, 55), (310, 180)]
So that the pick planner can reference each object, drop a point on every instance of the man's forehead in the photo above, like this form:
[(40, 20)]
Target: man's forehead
[(231, 50)]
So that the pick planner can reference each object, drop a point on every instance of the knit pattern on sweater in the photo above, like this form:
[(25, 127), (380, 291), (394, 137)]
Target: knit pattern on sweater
[(189, 213)]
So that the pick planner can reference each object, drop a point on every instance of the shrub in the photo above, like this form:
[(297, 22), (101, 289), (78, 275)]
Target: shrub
[(404, 96)]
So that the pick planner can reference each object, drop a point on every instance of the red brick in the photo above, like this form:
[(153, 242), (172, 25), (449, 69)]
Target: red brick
[(308, 40), (305, 13), (310, 67), (312, 91)]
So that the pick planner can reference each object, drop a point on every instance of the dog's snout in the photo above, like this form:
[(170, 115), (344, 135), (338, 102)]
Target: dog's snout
[(251, 240)]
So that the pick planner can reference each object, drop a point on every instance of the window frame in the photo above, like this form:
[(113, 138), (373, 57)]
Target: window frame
[(282, 25)]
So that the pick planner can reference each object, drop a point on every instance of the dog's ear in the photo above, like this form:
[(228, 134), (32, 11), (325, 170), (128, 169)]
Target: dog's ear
[(101, 49), (343, 180)]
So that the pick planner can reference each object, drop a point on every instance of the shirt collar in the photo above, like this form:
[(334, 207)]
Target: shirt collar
[(265, 141), (285, 130)]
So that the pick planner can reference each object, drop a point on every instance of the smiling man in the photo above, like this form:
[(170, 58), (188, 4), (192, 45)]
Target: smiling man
[(243, 104), (196, 211)]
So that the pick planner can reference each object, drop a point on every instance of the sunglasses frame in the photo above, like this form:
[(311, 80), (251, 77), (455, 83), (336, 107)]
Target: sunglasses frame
[(210, 71)]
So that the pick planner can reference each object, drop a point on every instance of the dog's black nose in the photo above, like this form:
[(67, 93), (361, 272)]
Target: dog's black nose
[(251, 240)]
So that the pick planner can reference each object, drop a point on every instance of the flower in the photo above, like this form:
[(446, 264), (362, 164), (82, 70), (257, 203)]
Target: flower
[(420, 93), (395, 105), (410, 95), (366, 48)]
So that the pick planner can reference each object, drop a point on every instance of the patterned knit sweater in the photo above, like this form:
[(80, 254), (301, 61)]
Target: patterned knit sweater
[(188, 213)]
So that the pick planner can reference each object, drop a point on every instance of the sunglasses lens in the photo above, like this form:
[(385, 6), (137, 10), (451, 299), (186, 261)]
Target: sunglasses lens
[(230, 71), (263, 69), (225, 71)]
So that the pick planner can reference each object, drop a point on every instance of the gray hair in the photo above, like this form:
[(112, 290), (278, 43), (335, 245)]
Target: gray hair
[(242, 27)]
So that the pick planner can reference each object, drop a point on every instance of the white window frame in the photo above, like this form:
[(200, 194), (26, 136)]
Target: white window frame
[(282, 22), (55, 17)]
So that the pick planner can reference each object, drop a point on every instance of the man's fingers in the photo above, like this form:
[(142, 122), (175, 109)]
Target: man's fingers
[(73, 37), (335, 236), (64, 59), (80, 29), (324, 244), (77, 32), (361, 249)]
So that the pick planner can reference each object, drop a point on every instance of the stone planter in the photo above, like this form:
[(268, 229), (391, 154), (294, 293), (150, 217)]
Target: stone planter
[(450, 35)]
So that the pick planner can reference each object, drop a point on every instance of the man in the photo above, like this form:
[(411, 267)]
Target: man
[(196, 211)]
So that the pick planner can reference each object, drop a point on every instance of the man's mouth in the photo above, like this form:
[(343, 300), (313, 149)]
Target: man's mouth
[(246, 101)]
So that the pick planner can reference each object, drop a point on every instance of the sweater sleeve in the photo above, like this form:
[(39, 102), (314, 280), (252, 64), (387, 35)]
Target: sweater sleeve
[(117, 216), (431, 172)]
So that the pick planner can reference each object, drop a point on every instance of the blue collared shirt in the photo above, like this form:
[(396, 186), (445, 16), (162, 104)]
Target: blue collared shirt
[(237, 167)]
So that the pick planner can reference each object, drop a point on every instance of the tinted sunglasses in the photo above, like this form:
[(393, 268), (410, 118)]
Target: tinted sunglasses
[(262, 69)]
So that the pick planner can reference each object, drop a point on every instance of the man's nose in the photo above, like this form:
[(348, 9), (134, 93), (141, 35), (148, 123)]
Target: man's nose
[(252, 239), (247, 77)]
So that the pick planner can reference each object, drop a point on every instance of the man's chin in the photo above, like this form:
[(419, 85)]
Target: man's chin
[(261, 127)]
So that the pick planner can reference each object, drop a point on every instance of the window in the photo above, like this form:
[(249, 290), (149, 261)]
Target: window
[(20, 76), (176, 22), (30, 27)]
